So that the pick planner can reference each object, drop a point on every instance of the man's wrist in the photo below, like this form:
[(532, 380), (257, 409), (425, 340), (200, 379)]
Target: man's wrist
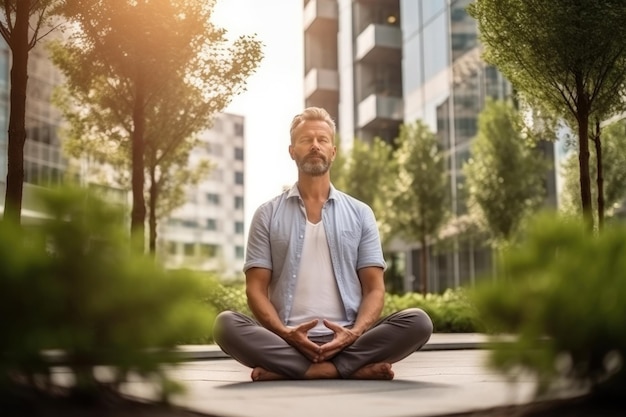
[(284, 332)]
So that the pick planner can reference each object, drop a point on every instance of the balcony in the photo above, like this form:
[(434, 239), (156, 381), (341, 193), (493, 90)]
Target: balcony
[(320, 16), (378, 111), (321, 84), (379, 43)]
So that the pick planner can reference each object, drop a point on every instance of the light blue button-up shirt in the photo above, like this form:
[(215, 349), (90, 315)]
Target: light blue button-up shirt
[(276, 238)]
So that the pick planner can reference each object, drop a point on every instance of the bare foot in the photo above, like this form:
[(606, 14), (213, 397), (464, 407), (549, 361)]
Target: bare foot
[(260, 374), (374, 371)]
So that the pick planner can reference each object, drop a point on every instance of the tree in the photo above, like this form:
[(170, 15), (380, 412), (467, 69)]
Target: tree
[(366, 172), (505, 173), (23, 23), (421, 194), (169, 140), (170, 170), (614, 176), (566, 56), (129, 60), (339, 168)]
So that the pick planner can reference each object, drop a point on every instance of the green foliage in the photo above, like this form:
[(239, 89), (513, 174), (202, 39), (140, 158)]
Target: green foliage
[(505, 172), (367, 173), (143, 78), (568, 57), (230, 297), (421, 192), (72, 283), (613, 168), (564, 297), (451, 312)]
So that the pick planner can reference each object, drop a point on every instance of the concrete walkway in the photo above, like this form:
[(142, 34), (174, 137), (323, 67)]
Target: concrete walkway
[(448, 376)]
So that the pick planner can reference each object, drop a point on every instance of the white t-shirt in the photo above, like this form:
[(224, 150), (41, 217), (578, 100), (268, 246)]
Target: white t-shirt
[(316, 295)]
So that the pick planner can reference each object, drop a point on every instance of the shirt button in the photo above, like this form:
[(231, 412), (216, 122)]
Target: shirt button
[(301, 236), (293, 276)]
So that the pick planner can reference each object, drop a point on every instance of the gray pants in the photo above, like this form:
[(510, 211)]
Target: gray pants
[(391, 339)]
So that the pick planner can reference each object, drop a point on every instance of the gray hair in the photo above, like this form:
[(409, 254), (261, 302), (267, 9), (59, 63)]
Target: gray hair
[(312, 114)]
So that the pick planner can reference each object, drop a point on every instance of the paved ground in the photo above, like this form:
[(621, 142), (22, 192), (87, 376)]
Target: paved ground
[(448, 376)]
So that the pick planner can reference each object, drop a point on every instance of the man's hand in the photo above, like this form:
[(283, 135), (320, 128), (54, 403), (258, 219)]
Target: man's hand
[(297, 337), (343, 338)]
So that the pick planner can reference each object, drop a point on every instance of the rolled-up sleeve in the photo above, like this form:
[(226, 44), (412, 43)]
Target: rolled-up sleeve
[(370, 249), (258, 251)]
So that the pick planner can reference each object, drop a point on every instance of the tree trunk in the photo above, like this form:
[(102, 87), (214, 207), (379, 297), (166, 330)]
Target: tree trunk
[(599, 177), (152, 202), (138, 213), (19, 45), (424, 267), (583, 154)]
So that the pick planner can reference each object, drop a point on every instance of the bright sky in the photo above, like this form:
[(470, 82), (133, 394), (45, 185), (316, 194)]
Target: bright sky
[(274, 93)]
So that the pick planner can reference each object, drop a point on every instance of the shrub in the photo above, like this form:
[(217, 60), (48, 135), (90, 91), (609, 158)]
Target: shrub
[(562, 292), (451, 312), (72, 283)]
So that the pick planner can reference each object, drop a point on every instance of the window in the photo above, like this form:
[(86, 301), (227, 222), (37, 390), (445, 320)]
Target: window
[(239, 178), (189, 223), (208, 250), (238, 129), (189, 249), (238, 203), (211, 224), (172, 248), (239, 252), (213, 199), (239, 228), (239, 154)]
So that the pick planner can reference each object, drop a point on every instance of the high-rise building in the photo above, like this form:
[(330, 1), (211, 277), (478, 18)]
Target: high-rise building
[(380, 63), (207, 232), (353, 65)]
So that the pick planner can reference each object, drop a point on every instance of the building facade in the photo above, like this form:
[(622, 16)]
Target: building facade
[(207, 232), (398, 61)]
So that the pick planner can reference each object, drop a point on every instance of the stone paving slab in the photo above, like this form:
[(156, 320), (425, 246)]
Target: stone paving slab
[(427, 383)]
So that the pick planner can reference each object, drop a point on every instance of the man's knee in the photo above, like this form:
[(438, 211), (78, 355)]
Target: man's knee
[(223, 326), (419, 322)]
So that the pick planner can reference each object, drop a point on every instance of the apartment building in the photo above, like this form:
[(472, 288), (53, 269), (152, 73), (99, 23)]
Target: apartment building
[(207, 232), (376, 64)]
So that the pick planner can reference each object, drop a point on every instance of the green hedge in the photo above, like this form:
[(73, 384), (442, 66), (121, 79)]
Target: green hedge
[(451, 312)]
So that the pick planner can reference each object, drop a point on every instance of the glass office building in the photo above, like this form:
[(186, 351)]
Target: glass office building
[(398, 61)]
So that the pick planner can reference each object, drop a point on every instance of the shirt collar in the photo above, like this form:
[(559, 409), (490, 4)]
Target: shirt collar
[(295, 192)]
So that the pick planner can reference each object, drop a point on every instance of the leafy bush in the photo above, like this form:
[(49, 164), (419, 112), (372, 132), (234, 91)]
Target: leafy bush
[(451, 312), (562, 292), (72, 283), (230, 297)]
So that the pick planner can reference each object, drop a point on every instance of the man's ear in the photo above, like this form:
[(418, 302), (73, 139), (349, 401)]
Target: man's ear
[(291, 151)]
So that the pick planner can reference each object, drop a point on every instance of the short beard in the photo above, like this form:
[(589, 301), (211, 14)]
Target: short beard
[(315, 169)]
